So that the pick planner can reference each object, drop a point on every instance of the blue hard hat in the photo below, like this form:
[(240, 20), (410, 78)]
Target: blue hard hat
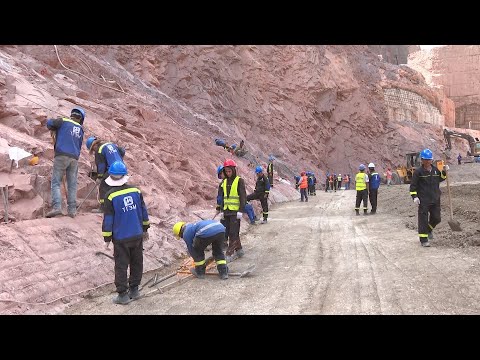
[(426, 154), (90, 141), (80, 111), (219, 169), (361, 167), (258, 169), (118, 168)]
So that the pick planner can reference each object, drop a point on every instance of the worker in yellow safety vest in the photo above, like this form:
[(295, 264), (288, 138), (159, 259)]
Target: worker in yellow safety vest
[(361, 185)]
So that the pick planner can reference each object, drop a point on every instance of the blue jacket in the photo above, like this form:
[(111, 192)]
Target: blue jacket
[(125, 214), (69, 136), (374, 181), (201, 229), (106, 155)]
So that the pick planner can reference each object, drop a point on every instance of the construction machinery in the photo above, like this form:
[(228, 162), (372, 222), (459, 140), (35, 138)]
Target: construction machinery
[(473, 142), (404, 173)]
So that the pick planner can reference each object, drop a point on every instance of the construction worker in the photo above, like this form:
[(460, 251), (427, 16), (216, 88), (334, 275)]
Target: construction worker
[(335, 182), (106, 153), (373, 185), (330, 181), (389, 176), (339, 181), (68, 136), (262, 189), (327, 181), (297, 180), (125, 223), (233, 197), (345, 181), (459, 159), (310, 182), (361, 185), (198, 236), (303, 186), (270, 169), (425, 192)]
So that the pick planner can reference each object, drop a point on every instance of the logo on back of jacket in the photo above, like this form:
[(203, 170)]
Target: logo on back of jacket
[(76, 132), (129, 205), (111, 149)]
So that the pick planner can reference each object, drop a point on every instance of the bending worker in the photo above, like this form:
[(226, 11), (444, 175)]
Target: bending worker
[(198, 236), (262, 189)]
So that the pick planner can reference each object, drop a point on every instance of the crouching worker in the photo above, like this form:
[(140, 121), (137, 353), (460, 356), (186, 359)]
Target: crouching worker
[(198, 236), (125, 223)]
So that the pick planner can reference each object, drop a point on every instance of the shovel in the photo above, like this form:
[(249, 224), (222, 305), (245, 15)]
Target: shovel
[(454, 224)]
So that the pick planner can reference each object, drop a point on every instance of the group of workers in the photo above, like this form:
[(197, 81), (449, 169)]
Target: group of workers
[(125, 215)]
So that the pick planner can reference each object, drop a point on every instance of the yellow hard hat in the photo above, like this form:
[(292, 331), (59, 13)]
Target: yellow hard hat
[(177, 227)]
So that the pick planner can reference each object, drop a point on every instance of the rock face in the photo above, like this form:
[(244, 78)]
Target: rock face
[(455, 69), (395, 54), (314, 108)]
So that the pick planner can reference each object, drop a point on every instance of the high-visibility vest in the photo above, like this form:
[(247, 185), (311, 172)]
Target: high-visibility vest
[(231, 201), (360, 183), (304, 182)]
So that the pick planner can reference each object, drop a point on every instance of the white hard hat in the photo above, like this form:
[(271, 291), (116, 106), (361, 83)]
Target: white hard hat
[(371, 165)]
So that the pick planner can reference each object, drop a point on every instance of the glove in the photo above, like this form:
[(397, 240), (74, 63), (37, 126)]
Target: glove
[(416, 201), (446, 167), (239, 215), (222, 216), (146, 236)]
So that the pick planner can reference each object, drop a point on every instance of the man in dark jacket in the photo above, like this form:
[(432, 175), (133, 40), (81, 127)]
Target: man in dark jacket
[(425, 192), (125, 223), (373, 185), (262, 189), (233, 196), (68, 136), (106, 153)]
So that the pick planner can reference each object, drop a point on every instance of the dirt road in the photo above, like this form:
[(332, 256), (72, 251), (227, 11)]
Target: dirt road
[(319, 258)]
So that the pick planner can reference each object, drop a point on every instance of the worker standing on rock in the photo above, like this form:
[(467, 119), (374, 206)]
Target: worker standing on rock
[(425, 192), (198, 236), (106, 153), (373, 185), (270, 169), (233, 195), (361, 185), (125, 223), (68, 143), (262, 189)]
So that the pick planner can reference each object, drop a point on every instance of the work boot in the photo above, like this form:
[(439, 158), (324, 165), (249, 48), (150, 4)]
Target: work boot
[(134, 293), (72, 214), (53, 213), (198, 271), (430, 236), (97, 211), (357, 212), (426, 244), (252, 223), (122, 298), (373, 212), (264, 221), (223, 271), (239, 253), (230, 258), (365, 212)]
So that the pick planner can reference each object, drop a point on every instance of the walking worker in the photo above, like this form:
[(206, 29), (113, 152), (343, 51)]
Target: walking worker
[(389, 176), (459, 158), (198, 236), (68, 136), (425, 192), (270, 169), (361, 185), (106, 153), (125, 223), (262, 189), (233, 196), (373, 185), (303, 186)]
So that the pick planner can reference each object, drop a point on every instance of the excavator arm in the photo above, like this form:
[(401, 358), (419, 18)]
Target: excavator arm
[(474, 145)]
